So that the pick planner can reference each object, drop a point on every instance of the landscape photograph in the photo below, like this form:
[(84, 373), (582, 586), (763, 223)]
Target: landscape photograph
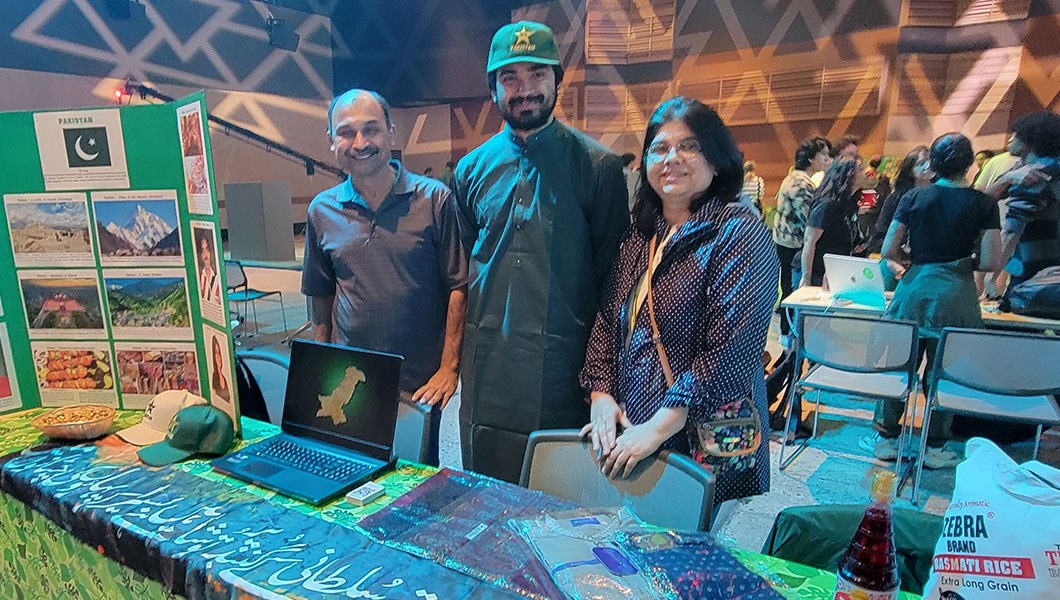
[(159, 302), (49, 227), (137, 228), (69, 303)]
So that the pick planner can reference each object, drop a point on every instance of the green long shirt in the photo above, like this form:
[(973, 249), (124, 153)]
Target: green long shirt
[(541, 220)]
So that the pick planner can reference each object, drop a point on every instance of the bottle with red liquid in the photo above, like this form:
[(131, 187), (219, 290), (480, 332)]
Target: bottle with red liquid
[(868, 570)]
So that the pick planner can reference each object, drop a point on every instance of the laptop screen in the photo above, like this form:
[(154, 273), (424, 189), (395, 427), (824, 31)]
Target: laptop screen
[(343, 396)]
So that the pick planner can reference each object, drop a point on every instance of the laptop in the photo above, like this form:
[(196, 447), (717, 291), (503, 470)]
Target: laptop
[(858, 280), (338, 425)]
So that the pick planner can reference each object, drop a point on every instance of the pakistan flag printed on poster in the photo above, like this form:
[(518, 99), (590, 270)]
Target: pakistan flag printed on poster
[(81, 150)]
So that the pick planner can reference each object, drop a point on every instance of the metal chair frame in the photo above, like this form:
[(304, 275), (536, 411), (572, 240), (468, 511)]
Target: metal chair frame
[(239, 291), (941, 373), (909, 368)]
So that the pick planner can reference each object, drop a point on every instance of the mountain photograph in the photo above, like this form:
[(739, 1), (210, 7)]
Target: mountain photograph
[(137, 228), (147, 302)]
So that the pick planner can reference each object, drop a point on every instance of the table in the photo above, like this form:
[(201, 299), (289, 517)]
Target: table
[(817, 298), (45, 560)]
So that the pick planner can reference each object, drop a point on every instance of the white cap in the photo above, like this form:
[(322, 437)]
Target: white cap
[(160, 412)]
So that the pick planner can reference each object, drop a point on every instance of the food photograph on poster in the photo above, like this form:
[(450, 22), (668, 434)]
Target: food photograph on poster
[(145, 370)]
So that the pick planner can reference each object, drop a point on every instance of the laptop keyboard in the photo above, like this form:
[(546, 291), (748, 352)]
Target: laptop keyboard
[(312, 461)]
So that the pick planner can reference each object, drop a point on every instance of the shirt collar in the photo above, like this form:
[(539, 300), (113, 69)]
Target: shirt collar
[(549, 132), (402, 187)]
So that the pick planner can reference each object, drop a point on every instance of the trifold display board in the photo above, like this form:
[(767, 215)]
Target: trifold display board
[(111, 278)]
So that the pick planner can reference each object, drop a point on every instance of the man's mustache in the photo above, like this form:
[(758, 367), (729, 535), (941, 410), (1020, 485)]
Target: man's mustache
[(539, 98), (369, 151)]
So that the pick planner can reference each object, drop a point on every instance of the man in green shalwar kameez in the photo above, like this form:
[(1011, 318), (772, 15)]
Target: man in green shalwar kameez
[(542, 209)]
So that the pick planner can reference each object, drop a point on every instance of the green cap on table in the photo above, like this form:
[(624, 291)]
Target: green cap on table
[(195, 430)]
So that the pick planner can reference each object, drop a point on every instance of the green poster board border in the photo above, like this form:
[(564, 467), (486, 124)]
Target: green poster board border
[(154, 160)]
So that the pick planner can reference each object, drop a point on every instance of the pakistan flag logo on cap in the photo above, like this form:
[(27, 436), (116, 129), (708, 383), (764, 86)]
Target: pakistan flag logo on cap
[(87, 147), (521, 40)]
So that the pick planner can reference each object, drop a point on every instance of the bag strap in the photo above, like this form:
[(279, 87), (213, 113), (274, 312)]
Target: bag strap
[(655, 335)]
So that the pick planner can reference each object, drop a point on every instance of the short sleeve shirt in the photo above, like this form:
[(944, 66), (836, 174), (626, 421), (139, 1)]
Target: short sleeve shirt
[(390, 270), (944, 222)]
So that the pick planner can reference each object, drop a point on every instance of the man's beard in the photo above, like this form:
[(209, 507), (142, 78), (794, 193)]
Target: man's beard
[(524, 118)]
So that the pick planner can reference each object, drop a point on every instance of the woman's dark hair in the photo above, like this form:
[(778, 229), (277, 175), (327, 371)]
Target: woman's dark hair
[(904, 180), (718, 147), (1040, 131), (838, 182), (951, 155), (808, 149)]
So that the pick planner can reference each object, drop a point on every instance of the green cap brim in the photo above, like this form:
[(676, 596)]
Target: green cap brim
[(514, 59), (162, 454)]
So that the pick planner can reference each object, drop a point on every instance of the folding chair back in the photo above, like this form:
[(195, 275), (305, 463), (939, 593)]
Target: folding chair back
[(235, 275), (857, 344), (1005, 363)]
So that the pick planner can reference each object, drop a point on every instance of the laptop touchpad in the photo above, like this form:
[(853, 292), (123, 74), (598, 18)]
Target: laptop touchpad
[(261, 468)]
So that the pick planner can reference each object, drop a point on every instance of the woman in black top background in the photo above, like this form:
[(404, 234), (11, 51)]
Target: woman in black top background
[(914, 171), (832, 225), (952, 230)]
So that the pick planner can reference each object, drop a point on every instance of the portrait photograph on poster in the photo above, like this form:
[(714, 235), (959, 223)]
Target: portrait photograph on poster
[(49, 230), (62, 303), (145, 370), (148, 302), (207, 271), (9, 398), (193, 154), (133, 231), (70, 373), (220, 380)]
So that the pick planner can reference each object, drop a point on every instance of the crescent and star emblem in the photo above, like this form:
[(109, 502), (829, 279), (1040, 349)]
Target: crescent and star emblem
[(81, 153)]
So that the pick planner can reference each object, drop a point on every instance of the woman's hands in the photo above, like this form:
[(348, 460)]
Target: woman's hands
[(604, 417), (636, 443)]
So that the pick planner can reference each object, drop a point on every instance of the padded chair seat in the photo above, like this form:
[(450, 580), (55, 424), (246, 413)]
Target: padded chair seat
[(887, 385), (958, 398), (249, 295)]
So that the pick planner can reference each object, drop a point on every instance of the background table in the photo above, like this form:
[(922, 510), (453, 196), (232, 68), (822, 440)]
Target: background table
[(816, 298), (43, 560)]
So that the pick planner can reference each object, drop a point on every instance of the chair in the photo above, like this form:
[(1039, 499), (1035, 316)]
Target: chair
[(1004, 375), (865, 357), (412, 432), (269, 370), (239, 290), (666, 489)]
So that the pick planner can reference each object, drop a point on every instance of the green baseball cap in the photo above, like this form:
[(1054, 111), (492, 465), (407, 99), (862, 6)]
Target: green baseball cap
[(525, 41), (199, 429)]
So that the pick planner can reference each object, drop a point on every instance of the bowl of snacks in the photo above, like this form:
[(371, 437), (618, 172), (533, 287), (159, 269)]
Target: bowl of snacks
[(83, 422)]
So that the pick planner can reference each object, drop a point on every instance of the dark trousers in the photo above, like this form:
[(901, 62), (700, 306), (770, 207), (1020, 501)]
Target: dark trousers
[(786, 256), (888, 413)]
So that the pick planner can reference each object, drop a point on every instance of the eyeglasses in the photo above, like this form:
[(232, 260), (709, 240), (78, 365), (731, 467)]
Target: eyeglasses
[(686, 149)]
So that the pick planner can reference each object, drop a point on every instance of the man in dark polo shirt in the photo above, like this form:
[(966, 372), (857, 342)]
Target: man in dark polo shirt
[(384, 266), (542, 209)]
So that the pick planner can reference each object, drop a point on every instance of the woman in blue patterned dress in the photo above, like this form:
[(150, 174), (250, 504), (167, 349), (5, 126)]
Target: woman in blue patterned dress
[(713, 275)]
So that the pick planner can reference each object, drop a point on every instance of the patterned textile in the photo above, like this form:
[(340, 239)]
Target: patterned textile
[(714, 292), (460, 520)]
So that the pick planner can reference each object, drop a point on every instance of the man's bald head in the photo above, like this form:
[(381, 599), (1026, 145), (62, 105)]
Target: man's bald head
[(351, 96)]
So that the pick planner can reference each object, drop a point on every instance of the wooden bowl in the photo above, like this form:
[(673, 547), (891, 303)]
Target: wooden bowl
[(83, 422)]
